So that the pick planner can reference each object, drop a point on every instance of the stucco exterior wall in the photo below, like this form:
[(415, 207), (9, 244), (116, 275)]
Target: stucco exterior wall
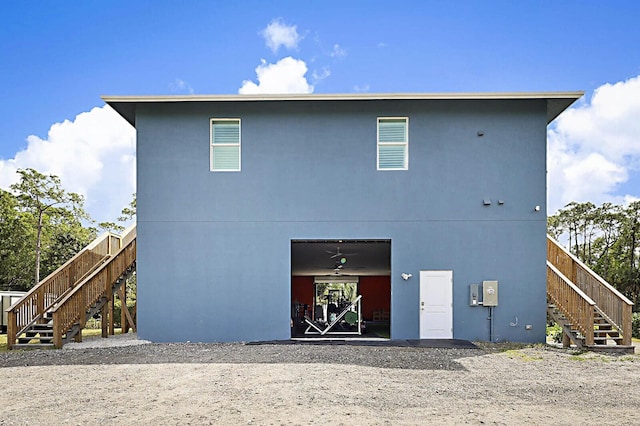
[(214, 248)]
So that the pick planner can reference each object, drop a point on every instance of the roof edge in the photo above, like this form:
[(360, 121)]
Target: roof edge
[(557, 102), (344, 96)]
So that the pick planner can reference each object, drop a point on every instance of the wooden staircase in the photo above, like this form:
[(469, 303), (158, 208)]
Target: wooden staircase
[(42, 333), (56, 310), (593, 315)]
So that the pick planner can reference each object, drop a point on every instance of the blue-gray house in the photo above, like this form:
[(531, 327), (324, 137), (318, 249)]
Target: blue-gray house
[(263, 217)]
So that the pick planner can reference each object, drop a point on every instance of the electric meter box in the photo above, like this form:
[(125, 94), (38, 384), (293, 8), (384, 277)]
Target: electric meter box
[(490, 293)]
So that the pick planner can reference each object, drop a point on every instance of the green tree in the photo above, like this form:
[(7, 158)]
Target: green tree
[(16, 253), (627, 252), (43, 197), (67, 236), (608, 221), (129, 212), (555, 226), (578, 219), (111, 227), (63, 246)]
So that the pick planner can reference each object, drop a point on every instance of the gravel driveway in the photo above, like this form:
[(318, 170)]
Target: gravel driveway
[(316, 384)]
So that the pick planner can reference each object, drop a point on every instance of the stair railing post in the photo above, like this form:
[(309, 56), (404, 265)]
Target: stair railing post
[(627, 322), (40, 303), (109, 292), (111, 302), (122, 294), (103, 314), (588, 338), (80, 306), (57, 331), (12, 328)]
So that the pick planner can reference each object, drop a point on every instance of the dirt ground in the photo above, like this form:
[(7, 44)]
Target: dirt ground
[(317, 384)]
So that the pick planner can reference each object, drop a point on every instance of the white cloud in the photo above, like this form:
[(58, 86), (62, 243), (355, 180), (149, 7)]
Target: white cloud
[(93, 155), (320, 75), (363, 88), (285, 76), (338, 51), (277, 34), (594, 146), (180, 86), (628, 199)]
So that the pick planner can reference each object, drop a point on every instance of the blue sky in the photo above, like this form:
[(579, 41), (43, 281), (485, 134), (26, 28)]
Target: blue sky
[(58, 57)]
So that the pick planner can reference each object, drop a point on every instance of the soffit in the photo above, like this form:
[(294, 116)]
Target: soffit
[(556, 101)]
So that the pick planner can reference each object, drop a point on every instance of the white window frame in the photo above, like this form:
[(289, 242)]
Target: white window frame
[(405, 143), (212, 145)]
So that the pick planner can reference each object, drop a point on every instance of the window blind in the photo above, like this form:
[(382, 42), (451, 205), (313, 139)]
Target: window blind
[(392, 143), (225, 145)]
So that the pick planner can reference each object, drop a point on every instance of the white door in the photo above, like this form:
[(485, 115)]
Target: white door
[(436, 304)]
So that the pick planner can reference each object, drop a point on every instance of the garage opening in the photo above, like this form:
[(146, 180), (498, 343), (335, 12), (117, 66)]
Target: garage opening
[(340, 288)]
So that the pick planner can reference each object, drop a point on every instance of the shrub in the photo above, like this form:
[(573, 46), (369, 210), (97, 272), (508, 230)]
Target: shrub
[(93, 324), (635, 325), (116, 311), (555, 332)]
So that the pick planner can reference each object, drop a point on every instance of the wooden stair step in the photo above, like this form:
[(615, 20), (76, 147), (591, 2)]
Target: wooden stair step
[(605, 336), (609, 332), (617, 349), (41, 327), (32, 346), (40, 336)]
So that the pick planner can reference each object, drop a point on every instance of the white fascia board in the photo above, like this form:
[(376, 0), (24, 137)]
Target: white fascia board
[(345, 97)]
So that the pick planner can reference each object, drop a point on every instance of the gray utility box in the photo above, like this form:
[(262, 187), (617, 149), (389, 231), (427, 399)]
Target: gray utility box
[(473, 295), (490, 293)]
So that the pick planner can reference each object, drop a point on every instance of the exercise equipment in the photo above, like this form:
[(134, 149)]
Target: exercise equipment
[(348, 316)]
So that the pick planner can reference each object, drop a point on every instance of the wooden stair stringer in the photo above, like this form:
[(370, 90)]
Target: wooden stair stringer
[(559, 317)]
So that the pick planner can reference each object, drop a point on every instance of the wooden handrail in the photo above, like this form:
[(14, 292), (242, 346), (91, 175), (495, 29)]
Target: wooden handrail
[(571, 301), (32, 306), (73, 307), (611, 302), (128, 235)]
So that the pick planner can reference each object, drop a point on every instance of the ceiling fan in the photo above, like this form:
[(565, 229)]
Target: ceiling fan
[(340, 273), (338, 253), (341, 266)]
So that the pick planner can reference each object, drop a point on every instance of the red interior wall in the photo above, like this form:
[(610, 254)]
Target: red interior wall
[(302, 290), (376, 294)]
